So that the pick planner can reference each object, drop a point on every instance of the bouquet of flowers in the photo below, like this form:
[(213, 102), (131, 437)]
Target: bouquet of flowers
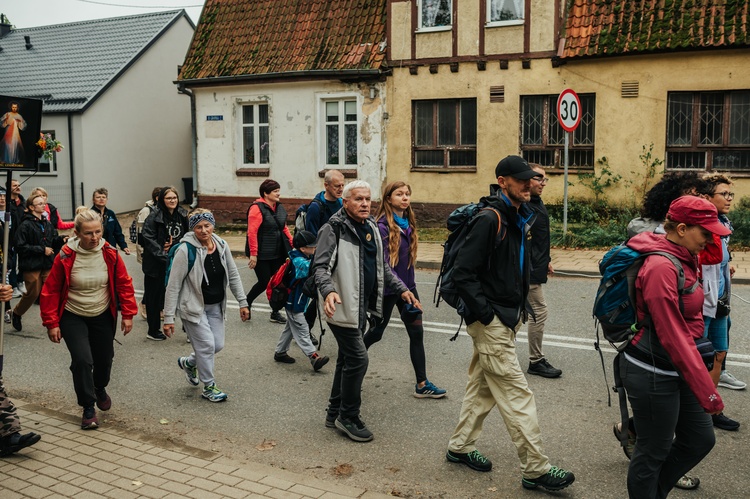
[(48, 145)]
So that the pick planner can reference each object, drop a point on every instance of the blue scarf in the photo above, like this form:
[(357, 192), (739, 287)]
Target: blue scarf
[(401, 222)]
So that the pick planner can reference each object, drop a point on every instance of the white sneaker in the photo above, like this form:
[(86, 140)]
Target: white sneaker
[(22, 287), (17, 293), (726, 380), (7, 317)]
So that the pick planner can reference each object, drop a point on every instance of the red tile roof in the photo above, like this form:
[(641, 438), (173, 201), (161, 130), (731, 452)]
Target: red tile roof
[(236, 38), (617, 27)]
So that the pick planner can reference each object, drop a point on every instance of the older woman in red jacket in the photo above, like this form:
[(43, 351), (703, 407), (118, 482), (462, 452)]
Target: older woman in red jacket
[(79, 303)]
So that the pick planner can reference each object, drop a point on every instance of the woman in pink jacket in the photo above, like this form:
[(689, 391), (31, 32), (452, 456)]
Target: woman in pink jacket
[(667, 382)]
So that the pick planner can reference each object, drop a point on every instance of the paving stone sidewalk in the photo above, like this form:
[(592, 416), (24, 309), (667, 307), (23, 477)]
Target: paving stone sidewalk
[(70, 462)]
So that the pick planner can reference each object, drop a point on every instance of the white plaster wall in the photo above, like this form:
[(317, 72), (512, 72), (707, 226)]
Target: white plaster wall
[(296, 136), (137, 134)]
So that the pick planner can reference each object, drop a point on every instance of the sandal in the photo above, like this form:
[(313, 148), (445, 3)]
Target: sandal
[(688, 482), (630, 446)]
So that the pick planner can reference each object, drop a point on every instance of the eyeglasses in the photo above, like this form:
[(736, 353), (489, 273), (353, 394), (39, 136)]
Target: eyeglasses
[(726, 195), (542, 181)]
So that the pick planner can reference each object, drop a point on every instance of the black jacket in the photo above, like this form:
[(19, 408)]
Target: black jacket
[(487, 272), (112, 230), (32, 237), (540, 241), (271, 237), (157, 229)]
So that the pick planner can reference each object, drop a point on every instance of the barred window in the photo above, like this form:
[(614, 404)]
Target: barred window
[(445, 133), (708, 131), (543, 139)]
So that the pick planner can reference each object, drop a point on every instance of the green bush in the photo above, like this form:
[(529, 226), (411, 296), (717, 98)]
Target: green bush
[(740, 217)]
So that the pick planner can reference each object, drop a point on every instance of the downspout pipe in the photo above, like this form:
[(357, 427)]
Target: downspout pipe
[(72, 168), (194, 142)]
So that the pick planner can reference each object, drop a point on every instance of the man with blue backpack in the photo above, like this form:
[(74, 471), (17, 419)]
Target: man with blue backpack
[(491, 275)]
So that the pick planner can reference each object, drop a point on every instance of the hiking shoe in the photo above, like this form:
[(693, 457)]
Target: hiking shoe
[(7, 317), (16, 320), (629, 447), (688, 482), (428, 391), (318, 361), (191, 373), (726, 380), (474, 460), (17, 293), (157, 336), (283, 357), (555, 479), (89, 420), (277, 318), (103, 400), (725, 423), (331, 420), (544, 369), (354, 428), (314, 340), (14, 442), (213, 394)]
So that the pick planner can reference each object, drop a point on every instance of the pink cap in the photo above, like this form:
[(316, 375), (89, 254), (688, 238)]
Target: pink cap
[(693, 210)]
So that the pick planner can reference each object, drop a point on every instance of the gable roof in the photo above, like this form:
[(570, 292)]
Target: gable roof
[(70, 65), (620, 27), (246, 39)]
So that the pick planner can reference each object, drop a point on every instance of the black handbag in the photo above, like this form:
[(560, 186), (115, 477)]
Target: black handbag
[(722, 306)]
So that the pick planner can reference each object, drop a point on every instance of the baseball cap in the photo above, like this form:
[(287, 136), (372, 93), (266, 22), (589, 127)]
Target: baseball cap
[(693, 210), (516, 167), (304, 238)]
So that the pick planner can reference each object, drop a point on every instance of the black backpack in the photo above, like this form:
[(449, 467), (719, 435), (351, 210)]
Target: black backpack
[(300, 216), (458, 223)]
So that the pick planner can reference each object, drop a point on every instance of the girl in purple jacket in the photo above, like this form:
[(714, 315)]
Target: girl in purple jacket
[(399, 233)]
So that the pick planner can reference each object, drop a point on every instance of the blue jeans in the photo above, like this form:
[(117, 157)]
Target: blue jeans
[(674, 432), (717, 330), (351, 367)]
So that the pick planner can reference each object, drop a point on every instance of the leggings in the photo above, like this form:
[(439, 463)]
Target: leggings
[(264, 270), (413, 329)]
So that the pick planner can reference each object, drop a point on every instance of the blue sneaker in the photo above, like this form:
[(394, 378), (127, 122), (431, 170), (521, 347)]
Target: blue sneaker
[(428, 391), (191, 373), (213, 394)]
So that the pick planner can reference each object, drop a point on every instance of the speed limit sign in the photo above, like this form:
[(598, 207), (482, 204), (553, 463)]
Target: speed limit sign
[(569, 110)]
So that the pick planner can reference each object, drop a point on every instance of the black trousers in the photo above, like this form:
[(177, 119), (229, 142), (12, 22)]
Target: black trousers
[(264, 270), (90, 341), (153, 297), (351, 367)]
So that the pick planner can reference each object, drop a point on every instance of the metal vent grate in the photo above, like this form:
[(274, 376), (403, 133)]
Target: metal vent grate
[(629, 89), (497, 94)]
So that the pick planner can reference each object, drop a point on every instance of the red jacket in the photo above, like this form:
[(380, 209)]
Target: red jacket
[(656, 292), (54, 294)]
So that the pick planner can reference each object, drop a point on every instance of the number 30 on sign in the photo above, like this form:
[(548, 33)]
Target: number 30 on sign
[(568, 110)]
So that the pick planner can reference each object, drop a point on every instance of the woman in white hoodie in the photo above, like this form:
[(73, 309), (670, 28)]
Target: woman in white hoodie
[(199, 272)]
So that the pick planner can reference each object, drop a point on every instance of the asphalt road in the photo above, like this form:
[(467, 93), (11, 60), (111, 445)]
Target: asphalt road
[(285, 404)]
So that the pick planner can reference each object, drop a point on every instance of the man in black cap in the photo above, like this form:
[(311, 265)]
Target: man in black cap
[(491, 275)]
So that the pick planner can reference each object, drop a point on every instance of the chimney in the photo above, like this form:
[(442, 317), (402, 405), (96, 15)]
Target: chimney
[(5, 26), (28, 41)]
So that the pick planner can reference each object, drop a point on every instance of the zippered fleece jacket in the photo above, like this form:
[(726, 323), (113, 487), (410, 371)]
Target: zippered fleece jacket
[(54, 294), (184, 294), (338, 267)]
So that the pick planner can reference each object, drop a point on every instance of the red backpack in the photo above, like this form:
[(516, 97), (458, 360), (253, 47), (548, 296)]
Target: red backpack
[(278, 288)]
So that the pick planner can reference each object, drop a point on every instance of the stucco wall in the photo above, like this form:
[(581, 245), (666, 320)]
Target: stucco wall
[(137, 135), (623, 125), (296, 133)]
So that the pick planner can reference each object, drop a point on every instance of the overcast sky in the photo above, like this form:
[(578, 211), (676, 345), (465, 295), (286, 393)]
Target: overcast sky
[(30, 13)]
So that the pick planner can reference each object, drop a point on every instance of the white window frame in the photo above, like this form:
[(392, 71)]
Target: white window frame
[(341, 97), (240, 127), (514, 22), (428, 29)]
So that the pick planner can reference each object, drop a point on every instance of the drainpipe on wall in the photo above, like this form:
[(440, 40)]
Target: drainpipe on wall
[(194, 143), (72, 174)]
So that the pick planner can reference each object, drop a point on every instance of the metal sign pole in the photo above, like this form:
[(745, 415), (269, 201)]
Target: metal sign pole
[(6, 246), (565, 190)]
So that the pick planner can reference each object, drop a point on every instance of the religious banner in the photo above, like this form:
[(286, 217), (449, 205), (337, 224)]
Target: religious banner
[(20, 128)]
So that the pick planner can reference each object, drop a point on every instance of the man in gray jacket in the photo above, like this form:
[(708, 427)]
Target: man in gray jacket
[(351, 275)]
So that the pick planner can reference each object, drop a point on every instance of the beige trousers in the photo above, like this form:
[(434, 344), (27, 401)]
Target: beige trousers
[(34, 280), (496, 379), (536, 323)]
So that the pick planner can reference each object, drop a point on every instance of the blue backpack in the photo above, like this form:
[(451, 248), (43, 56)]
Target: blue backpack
[(191, 251)]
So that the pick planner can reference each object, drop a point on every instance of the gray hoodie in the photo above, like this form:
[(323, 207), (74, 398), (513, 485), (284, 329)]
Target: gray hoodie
[(184, 293)]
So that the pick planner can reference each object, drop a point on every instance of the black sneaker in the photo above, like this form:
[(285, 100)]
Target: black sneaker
[(277, 318), (544, 369), (318, 361), (89, 420), (283, 357), (354, 428), (474, 460), (157, 336), (314, 340), (331, 420), (14, 442), (725, 423), (16, 320), (555, 479)]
